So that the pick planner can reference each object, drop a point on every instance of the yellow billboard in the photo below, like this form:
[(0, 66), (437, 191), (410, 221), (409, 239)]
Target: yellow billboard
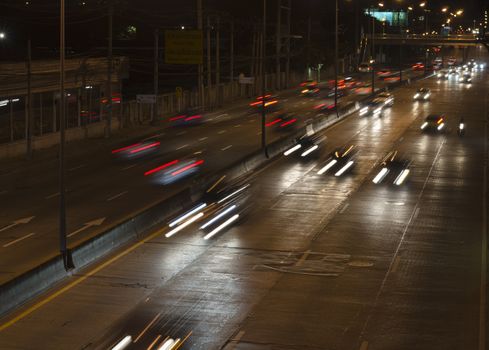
[(183, 47)]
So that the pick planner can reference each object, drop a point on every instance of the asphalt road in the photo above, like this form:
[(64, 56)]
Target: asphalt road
[(103, 190), (319, 263)]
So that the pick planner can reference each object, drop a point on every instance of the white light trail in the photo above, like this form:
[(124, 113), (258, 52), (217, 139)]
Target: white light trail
[(222, 226)]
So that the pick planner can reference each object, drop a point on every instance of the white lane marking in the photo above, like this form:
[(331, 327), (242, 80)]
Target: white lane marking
[(401, 241), (220, 115), (52, 195), (396, 264), (251, 121), (221, 132), (181, 147), (181, 133), (18, 240), (226, 148), (258, 133), (17, 222), (235, 340), (77, 167), (203, 138), (303, 258), (146, 328), (364, 345), (237, 125), (87, 225), (344, 208), (129, 166), (416, 213), (116, 196)]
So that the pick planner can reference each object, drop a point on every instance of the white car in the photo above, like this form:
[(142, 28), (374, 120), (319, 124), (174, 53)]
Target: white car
[(387, 98), (422, 94)]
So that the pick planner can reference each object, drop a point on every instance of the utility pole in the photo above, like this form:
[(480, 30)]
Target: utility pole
[(29, 126), (231, 59), (373, 54), (209, 66), (287, 62), (109, 74), (308, 55), (200, 78), (278, 43), (65, 253), (400, 46), (336, 59), (263, 78), (156, 76), (218, 63)]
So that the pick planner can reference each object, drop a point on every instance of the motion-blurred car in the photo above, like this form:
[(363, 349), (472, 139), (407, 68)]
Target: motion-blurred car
[(190, 117), (433, 122), (382, 73), (465, 78), (283, 121), (174, 170), (339, 161), (306, 145), (373, 107), (422, 94), (327, 106), (393, 169), (364, 90), (387, 98), (225, 207), (365, 67), (442, 75), (137, 150), (418, 66), (271, 103), (310, 88)]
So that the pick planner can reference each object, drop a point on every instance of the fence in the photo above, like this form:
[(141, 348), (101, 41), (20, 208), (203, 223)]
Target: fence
[(87, 105)]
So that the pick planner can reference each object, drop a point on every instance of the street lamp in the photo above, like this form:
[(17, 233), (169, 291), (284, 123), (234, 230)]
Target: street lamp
[(2, 35)]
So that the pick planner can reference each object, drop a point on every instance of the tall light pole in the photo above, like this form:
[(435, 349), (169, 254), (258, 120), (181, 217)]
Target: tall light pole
[(263, 77), (68, 263), (336, 59)]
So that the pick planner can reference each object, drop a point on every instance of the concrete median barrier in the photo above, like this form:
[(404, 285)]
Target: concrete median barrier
[(38, 280)]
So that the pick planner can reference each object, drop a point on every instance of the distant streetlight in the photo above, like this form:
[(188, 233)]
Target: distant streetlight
[(423, 4), (410, 8), (2, 35), (459, 12), (381, 4), (445, 9)]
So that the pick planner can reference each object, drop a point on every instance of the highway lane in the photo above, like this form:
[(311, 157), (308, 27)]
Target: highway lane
[(102, 191), (291, 266)]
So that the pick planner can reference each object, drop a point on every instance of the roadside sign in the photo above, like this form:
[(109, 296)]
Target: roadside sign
[(246, 80), (179, 92), (149, 99), (183, 47)]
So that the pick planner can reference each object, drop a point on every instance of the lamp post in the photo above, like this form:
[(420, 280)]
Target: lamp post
[(336, 59), (67, 260), (263, 83)]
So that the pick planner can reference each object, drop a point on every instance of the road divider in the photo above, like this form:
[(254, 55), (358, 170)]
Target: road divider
[(23, 288)]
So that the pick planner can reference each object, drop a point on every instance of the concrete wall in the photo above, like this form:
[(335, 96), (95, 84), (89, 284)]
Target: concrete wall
[(18, 148)]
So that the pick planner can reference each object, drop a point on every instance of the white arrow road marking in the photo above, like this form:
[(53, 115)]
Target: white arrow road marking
[(116, 196), (18, 240), (87, 225), (52, 195), (17, 222)]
